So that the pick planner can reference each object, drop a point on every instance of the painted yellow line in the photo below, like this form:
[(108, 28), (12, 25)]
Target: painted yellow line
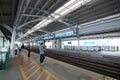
[(24, 61), (27, 60), (27, 65), (74, 69), (21, 69), (46, 71), (23, 57), (30, 69), (38, 78), (48, 77), (33, 73), (56, 78)]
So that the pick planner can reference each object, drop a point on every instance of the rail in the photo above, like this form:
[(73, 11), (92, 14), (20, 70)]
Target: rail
[(100, 66)]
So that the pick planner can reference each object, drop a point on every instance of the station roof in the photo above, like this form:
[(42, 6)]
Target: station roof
[(33, 18)]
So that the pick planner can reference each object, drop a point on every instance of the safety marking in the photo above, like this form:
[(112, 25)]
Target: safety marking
[(26, 63), (21, 69), (48, 77), (40, 75), (32, 66), (27, 66), (109, 78), (72, 69), (45, 70), (33, 73), (30, 69)]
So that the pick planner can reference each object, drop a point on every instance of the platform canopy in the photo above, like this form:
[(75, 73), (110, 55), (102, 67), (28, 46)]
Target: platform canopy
[(33, 18)]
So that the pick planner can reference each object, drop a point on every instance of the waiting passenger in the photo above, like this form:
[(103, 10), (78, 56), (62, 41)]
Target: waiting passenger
[(22, 47), (42, 53), (28, 51), (19, 48), (16, 49)]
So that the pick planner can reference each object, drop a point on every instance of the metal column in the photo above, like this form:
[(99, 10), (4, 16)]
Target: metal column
[(12, 43), (3, 41), (78, 43)]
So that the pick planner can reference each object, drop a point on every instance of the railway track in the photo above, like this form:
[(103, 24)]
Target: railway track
[(100, 66)]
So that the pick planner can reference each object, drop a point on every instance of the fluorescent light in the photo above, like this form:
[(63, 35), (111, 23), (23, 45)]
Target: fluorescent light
[(59, 13), (65, 5), (65, 9)]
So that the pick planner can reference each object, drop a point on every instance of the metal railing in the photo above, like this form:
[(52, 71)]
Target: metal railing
[(4, 58)]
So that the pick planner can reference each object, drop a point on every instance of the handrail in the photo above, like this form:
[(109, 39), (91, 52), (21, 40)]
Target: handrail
[(6, 59)]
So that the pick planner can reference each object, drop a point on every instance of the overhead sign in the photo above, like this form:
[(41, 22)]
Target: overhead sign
[(47, 36), (58, 35), (65, 34), (39, 38)]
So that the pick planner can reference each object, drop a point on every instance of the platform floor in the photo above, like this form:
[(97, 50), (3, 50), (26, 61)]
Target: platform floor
[(24, 68), (12, 73)]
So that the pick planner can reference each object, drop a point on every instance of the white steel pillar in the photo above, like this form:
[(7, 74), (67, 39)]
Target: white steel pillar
[(12, 43), (78, 43)]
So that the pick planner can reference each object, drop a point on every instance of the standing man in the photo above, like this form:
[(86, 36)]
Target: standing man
[(28, 51), (42, 53), (16, 49), (19, 48), (22, 47)]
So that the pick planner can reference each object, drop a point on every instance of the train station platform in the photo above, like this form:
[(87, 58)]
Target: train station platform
[(29, 68)]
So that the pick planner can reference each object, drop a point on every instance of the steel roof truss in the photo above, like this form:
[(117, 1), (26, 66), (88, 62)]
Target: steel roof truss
[(7, 27), (32, 9)]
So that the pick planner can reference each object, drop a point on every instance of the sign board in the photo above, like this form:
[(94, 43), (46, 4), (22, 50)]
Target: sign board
[(65, 34)]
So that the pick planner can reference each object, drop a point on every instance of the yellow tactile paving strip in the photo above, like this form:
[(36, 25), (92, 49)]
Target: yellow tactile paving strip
[(29, 62)]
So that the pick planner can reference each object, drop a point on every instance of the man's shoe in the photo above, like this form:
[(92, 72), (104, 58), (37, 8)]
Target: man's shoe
[(42, 63)]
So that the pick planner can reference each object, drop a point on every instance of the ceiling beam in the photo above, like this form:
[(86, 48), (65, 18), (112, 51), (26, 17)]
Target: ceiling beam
[(21, 2), (32, 9), (12, 11), (30, 15), (41, 9), (23, 11), (47, 32), (7, 27), (33, 35), (1, 11), (24, 24)]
